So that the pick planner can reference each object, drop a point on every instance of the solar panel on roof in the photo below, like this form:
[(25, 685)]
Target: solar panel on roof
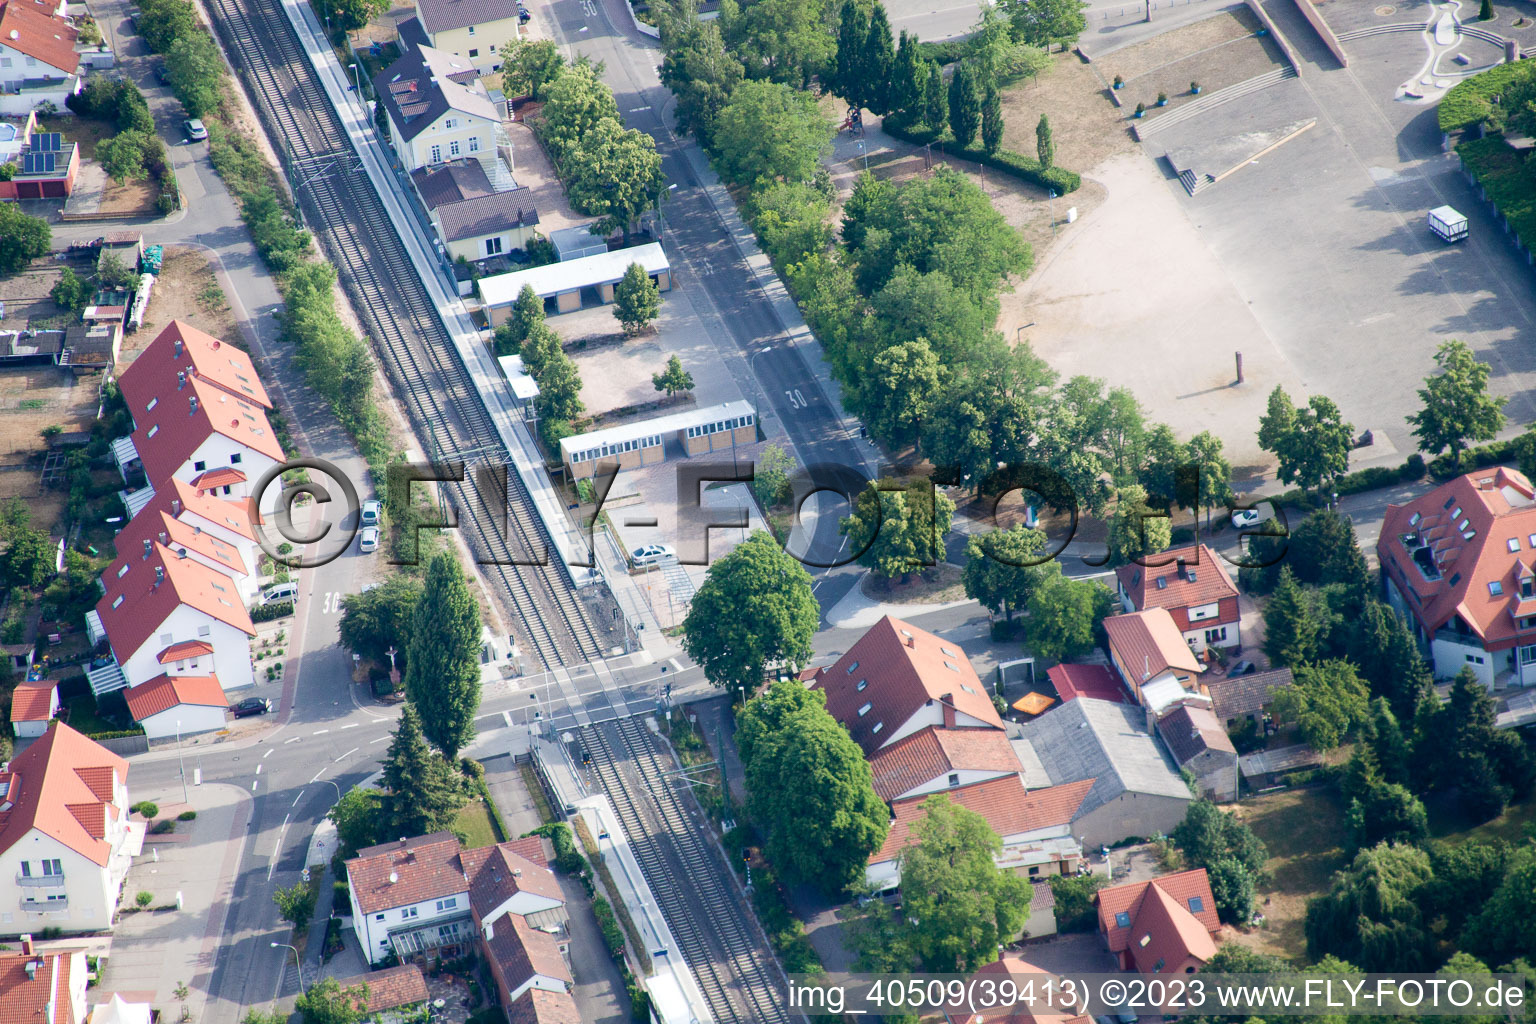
[(49, 142), (37, 163)]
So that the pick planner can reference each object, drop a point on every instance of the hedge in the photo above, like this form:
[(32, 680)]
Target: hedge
[(490, 807), (946, 52), (1058, 179), (1470, 102), (268, 612), (1505, 176), (116, 734)]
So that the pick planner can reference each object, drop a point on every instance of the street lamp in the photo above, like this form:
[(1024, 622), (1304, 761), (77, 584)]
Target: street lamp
[(182, 764), (660, 221), (296, 964)]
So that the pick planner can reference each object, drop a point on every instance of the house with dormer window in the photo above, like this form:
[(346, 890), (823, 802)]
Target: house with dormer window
[(1195, 589), (1459, 563), (1154, 660), (1164, 926)]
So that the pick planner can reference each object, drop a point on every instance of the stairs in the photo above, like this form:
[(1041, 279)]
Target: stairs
[(678, 582), (1380, 30), (1195, 184), (1196, 107)]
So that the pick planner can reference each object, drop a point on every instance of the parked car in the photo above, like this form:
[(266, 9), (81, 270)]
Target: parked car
[(251, 706), (650, 554), (280, 592), (132, 21), (195, 129), (372, 509), (368, 539), (1242, 668), (523, 14), (1246, 517), (162, 74)]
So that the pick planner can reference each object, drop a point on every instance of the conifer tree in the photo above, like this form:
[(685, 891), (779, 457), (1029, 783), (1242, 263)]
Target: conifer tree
[(442, 673)]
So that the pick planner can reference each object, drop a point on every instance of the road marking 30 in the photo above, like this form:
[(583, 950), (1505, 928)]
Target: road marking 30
[(331, 603), (796, 399)]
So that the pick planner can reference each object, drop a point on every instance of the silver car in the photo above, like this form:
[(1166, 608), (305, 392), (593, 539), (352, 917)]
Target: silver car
[(368, 539)]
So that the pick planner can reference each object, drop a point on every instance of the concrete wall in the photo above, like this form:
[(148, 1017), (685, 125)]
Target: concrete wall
[(192, 718), (1130, 814), (1451, 657), (1274, 30), (1315, 19)]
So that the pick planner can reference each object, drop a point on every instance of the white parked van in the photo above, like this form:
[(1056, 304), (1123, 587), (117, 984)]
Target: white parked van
[(280, 592)]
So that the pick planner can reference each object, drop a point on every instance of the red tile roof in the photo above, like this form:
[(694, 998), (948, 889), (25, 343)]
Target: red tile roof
[(1148, 643), (1011, 965), (426, 868), (1008, 807), (33, 702), (522, 951), (61, 773), (168, 435), (39, 34), (25, 1000), (1162, 911), (235, 515), (1097, 681), (497, 873), (1475, 530), (391, 988), (165, 692), (183, 651), (146, 605), (1191, 731), (160, 526), (1210, 582), (203, 356), (906, 668), (538, 1006), (934, 753)]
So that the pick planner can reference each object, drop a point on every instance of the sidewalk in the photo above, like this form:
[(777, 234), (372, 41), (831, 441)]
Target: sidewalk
[(153, 951)]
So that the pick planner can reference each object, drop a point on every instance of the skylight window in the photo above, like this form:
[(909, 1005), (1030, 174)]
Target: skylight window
[(906, 632), (1495, 588), (952, 666), (1145, 939), (1196, 904), (122, 572), (1456, 513), (1123, 919), (862, 683), (865, 710), (152, 403), (154, 430), (118, 601), (1413, 520), (877, 728), (967, 689), (853, 668), (947, 651), (1514, 543)]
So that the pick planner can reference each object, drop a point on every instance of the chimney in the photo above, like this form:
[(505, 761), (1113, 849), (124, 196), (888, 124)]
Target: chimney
[(1146, 667), (26, 945), (912, 643), (177, 349), (181, 379), (192, 405), (149, 546), (181, 552), (176, 507), (31, 970), (159, 575), (162, 536), (1183, 569)]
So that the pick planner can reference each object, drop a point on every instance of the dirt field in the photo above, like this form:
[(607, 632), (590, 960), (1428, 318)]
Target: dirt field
[(1301, 828), (87, 132), (186, 290), (1216, 52), (1086, 127)]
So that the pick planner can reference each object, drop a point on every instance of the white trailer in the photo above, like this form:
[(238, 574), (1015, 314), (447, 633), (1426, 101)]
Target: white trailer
[(1448, 224)]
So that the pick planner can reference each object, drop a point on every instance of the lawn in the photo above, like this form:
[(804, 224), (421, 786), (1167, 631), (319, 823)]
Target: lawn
[(83, 717), (1445, 823), (475, 822), (1301, 828)]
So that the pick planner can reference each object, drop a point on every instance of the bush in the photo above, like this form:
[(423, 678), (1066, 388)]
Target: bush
[(1492, 454), (117, 734), (144, 899), (341, 894), (268, 612), (946, 52), (187, 815), (1057, 179), (1505, 176), (1075, 911), (1470, 102), (163, 826), (147, 809)]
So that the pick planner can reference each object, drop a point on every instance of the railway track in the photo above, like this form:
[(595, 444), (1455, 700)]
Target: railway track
[(354, 228), (710, 921)]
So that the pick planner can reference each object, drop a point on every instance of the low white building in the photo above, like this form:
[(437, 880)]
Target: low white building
[(65, 837), (33, 706), (178, 705)]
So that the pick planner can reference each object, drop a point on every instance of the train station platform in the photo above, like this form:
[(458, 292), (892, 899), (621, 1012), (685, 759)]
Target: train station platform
[(567, 543)]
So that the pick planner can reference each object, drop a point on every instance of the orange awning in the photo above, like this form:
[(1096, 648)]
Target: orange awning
[(1033, 703)]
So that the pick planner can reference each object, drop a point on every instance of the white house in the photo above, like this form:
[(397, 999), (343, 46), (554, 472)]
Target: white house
[(33, 706), (65, 837), (178, 705), (44, 987), (439, 110), (216, 532), (38, 59), (897, 680), (1154, 660), (1195, 589), (472, 29), (165, 613), (935, 760)]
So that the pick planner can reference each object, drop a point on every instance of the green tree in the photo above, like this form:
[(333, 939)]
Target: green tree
[(1371, 916), (1213, 473), (540, 348), (636, 302), (785, 41), (28, 558), (528, 66), (896, 396), (527, 315), (847, 78), (754, 610), (991, 120), (359, 820), (931, 308), (1136, 530), (1295, 623), (1209, 835), (614, 175), (1047, 22), (122, 155), (964, 106), (196, 71), (1045, 145), (1485, 11), (1312, 444), (823, 829), (382, 618), (1488, 767), (1232, 886), (1389, 744), (770, 479), (702, 74), (1383, 647), (764, 718), (1323, 550), (296, 904), (576, 102), (559, 396), (1457, 406), (768, 132), (1004, 567), (1327, 702), (70, 292), (1505, 925), (877, 61), (425, 793), (935, 98), (351, 15), (1076, 908), (673, 379), (908, 78), (442, 671), (23, 238), (898, 527), (1063, 616), (958, 904), (326, 1002)]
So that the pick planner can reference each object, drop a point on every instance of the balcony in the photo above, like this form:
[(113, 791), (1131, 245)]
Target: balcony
[(45, 906), (52, 881)]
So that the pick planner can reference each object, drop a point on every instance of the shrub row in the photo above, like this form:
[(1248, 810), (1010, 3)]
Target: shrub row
[(116, 734), (268, 612), (1057, 179), (490, 806), (1413, 468), (1470, 102), (946, 52), (1505, 176)]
